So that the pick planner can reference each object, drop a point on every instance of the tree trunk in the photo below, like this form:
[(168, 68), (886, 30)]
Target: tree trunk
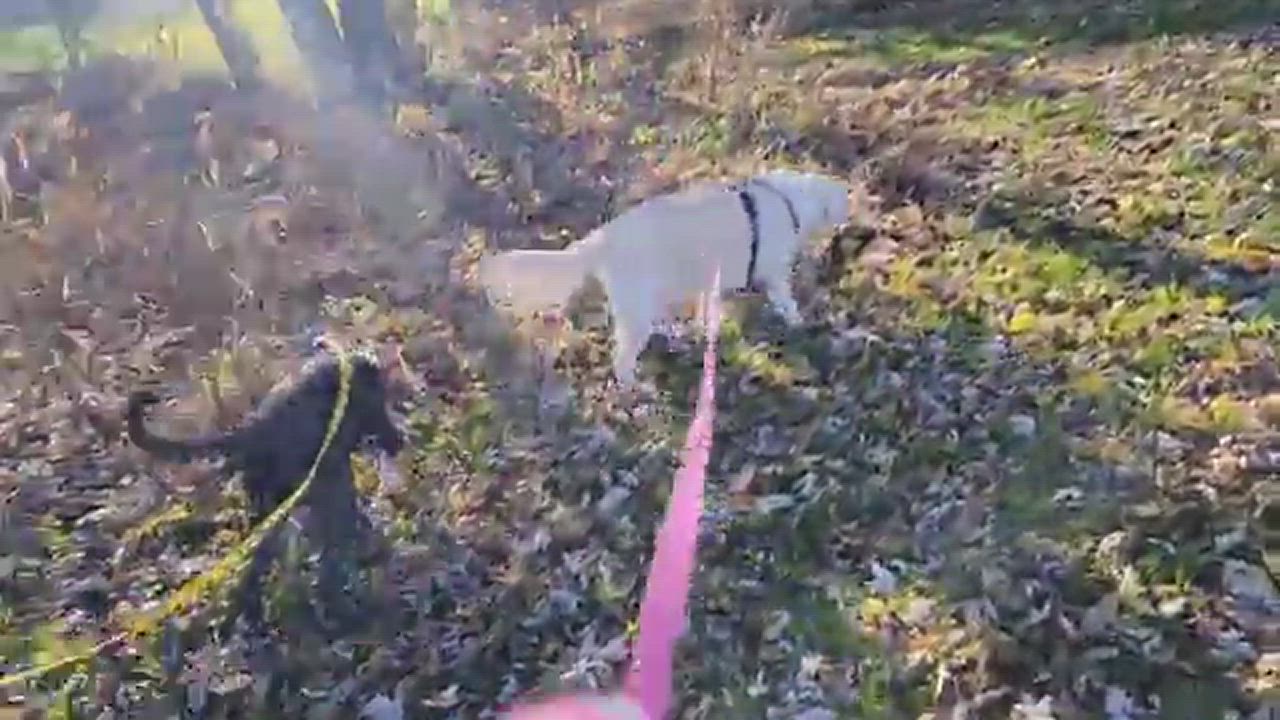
[(406, 21), (236, 47), (316, 35), (371, 47), (70, 16)]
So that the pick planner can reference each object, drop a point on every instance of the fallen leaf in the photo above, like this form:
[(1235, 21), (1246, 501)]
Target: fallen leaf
[(773, 503)]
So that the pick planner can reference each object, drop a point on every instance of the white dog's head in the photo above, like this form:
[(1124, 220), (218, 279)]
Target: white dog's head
[(821, 201)]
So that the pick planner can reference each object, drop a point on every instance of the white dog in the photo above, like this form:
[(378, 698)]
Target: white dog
[(664, 252)]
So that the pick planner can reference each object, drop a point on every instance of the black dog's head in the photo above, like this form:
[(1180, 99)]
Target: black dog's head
[(368, 405)]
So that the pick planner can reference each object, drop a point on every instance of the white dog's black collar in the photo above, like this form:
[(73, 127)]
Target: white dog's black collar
[(753, 220), (786, 201)]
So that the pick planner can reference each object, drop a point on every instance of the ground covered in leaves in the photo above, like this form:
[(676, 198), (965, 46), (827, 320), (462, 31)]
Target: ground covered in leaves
[(1019, 461)]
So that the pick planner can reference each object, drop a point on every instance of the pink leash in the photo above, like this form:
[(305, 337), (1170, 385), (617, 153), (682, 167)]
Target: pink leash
[(647, 691), (664, 607)]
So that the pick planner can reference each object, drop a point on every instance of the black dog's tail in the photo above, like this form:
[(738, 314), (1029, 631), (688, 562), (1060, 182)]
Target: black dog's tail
[(168, 448)]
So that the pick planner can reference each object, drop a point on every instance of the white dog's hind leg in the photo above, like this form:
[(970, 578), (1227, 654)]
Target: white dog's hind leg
[(628, 341), (781, 298), (633, 322)]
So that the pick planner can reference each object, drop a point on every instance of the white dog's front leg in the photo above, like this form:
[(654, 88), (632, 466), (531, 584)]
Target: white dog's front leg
[(631, 305), (780, 297), (629, 340)]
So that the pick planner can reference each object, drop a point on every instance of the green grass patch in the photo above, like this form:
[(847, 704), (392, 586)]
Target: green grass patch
[(33, 48), (1053, 301), (907, 46), (1037, 125), (181, 36), (1031, 23)]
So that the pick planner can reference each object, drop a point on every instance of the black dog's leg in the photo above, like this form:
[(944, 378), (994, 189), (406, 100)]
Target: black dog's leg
[(248, 598), (335, 524)]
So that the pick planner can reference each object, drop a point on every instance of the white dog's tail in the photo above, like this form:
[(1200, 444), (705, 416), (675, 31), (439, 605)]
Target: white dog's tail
[(533, 280)]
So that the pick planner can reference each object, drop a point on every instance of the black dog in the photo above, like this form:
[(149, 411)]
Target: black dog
[(274, 450)]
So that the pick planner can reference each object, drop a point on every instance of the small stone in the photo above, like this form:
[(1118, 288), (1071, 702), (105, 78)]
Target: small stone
[(883, 581), (1024, 426), (1249, 582)]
